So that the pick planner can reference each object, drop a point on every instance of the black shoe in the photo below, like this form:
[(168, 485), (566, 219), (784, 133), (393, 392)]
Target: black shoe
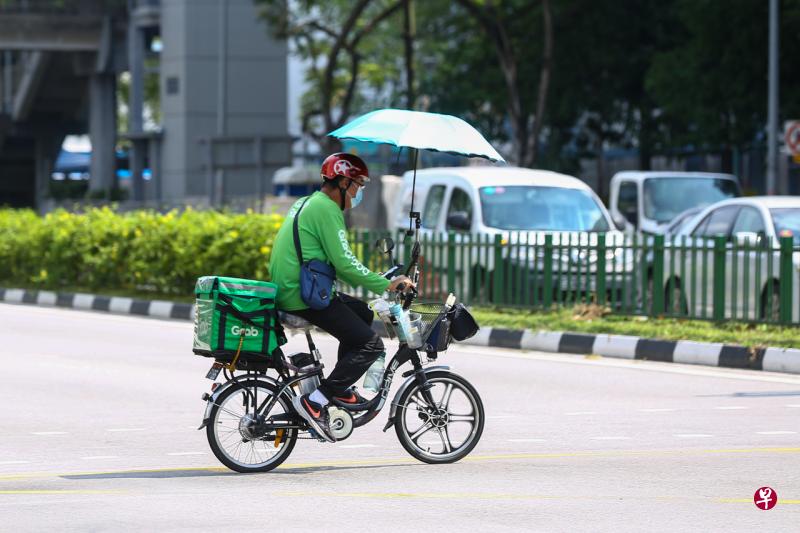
[(315, 414), (351, 397)]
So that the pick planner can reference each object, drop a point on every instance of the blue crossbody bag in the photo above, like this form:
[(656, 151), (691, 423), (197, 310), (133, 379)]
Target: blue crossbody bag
[(316, 277)]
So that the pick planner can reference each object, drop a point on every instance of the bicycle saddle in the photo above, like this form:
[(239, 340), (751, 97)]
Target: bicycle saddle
[(291, 321)]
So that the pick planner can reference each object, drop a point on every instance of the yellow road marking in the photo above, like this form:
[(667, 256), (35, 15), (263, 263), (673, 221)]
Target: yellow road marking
[(66, 491), (410, 461)]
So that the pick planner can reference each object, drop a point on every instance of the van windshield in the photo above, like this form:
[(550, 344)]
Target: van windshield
[(665, 198), (530, 207)]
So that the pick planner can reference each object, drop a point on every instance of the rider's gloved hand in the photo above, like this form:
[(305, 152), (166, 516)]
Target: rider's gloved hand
[(401, 280)]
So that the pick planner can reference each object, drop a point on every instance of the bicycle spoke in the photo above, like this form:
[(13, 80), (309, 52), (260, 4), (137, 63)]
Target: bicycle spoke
[(445, 436), (419, 400), (421, 431), (462, 418), (446, 396)]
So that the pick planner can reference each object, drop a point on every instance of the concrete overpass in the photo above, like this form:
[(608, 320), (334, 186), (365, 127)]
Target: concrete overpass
[(59, 66)]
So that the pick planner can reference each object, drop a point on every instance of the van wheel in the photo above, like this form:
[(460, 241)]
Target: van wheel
[(771, 310), (674, 299), (481, 285)]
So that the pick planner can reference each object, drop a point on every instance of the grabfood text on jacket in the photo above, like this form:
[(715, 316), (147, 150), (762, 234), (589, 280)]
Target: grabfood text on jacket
[(348, 253)]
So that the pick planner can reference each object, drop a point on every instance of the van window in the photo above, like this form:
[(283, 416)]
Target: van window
[(433, 207), (666, 198), (628, 202), (460, 202)]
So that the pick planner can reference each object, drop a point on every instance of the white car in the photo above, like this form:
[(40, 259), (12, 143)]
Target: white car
[(751, 227), (521, 207)]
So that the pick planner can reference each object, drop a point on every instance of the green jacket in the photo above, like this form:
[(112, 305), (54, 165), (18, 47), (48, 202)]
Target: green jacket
[(323, 236)]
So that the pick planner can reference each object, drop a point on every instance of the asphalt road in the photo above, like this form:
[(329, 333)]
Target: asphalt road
[(99, 433)]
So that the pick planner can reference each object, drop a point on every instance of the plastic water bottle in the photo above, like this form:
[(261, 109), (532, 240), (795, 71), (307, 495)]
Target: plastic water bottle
[(374, 375), (403, 324)]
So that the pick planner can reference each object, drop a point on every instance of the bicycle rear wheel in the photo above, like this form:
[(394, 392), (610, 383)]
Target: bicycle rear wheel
[(445, 431), (244, 440)]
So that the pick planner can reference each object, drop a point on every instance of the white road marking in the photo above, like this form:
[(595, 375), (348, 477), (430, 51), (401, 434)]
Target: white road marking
[(100, 457), (692, 435), (526, 440), (730, 407), (648, 366), (14, 462), (49, 433), (187, 453), (776, 432), (127, 429), (359, 446), (576, 413), (657, 410), (611, 438)]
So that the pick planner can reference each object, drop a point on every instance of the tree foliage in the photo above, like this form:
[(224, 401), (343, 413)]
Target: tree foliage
[(553, 79)]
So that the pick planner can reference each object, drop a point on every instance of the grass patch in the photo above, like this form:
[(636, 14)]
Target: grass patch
[(573, 320)]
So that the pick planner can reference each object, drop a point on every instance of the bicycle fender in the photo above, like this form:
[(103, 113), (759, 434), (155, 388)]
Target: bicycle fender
[(211, 400), (406, 384)]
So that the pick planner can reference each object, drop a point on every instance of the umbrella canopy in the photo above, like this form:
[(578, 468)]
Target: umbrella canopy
[(419, 130)]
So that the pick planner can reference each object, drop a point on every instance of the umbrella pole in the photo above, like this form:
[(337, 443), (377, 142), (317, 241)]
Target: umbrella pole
[(414, 215)]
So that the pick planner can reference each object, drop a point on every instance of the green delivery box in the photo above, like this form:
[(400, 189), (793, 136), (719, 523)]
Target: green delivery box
[(237, 316)]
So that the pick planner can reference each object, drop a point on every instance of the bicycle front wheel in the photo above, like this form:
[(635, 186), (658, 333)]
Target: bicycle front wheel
[(448, 429), (244, 440)]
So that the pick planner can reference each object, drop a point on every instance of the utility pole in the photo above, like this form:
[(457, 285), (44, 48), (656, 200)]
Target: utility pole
[(772, 104)]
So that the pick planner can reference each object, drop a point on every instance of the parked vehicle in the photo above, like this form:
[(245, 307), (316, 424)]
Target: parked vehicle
[(520, 207), (649, 201), (680, 221), (751, 228)]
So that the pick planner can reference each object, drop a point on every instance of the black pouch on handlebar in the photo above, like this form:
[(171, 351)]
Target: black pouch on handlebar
[(462, 324)]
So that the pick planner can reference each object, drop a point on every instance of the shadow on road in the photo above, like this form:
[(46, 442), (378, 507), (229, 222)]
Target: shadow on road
[(221, 471), (758, 394)]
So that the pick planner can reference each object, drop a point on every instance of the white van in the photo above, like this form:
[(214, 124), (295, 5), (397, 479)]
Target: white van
[(649, 201), (523, 207), (498, 200)]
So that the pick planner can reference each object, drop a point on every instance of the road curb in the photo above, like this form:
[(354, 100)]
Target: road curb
[(786, 360)]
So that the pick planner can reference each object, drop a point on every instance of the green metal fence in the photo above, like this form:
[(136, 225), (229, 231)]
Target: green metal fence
[(751, 280)]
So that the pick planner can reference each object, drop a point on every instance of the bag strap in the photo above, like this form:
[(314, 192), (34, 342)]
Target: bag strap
[(296, 232)]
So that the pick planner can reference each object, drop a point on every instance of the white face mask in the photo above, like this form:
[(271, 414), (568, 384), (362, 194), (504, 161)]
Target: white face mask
[(357, 198)]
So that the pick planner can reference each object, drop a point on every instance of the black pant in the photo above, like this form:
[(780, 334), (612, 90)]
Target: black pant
[(350, 321)]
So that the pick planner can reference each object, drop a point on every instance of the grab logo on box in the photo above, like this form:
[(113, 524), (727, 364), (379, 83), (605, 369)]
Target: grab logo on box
[(246, 332)]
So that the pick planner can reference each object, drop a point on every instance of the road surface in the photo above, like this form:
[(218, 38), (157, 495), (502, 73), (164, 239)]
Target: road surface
[(99, 433)]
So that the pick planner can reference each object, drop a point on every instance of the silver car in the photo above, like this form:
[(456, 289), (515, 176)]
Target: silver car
[(751, 228)]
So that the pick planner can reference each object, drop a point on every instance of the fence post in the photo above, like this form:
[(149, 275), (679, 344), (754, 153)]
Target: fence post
[(451, 262), (785, 283), (658, 276), (548, 271), (600, 286), (719, 278), (499, 271)]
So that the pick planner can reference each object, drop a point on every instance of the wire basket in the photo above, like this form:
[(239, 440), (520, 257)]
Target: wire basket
[(435, 327)]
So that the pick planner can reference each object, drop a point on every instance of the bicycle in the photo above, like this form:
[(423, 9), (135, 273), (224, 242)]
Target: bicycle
[(251, 425)]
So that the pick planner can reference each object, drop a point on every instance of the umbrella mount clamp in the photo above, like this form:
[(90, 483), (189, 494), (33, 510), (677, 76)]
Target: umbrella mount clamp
[(417, 218)]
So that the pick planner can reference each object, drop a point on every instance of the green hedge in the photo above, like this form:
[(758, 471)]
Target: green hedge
[(141, 251)]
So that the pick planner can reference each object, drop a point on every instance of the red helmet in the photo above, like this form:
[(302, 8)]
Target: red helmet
[(344, 165)]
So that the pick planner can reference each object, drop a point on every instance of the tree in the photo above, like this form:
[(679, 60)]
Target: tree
[(344, 43), (711, 86), (499, 20)]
